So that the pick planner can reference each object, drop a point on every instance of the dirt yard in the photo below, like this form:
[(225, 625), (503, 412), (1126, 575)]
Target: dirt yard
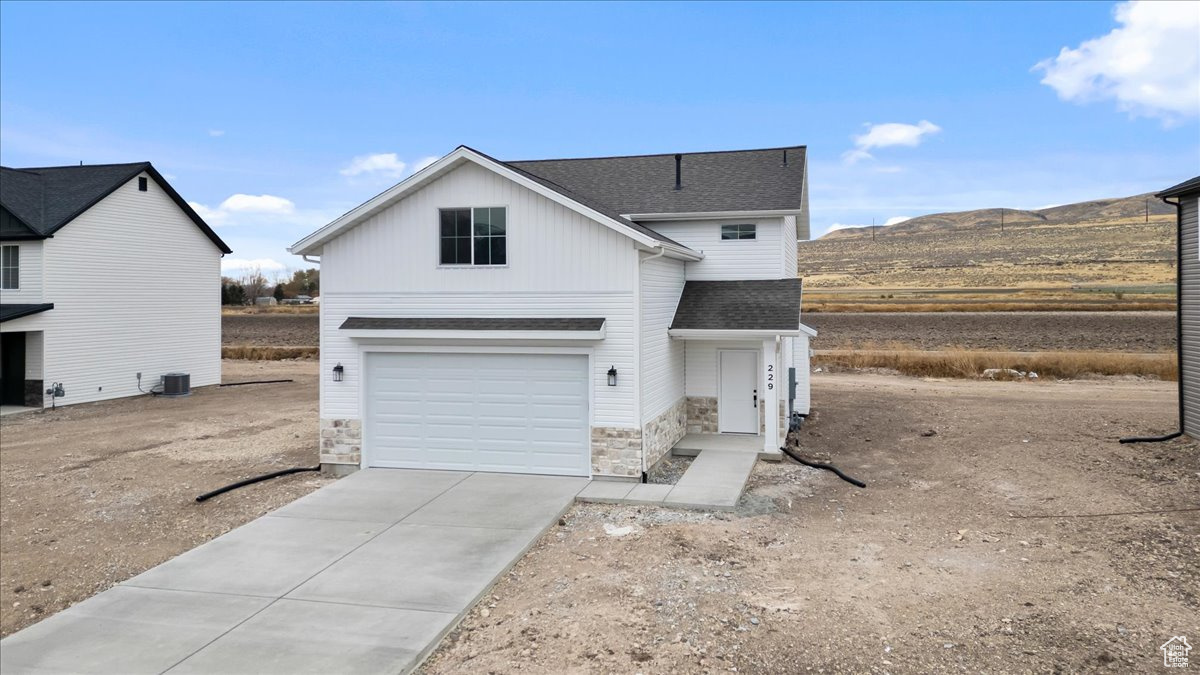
[(96, 493), (1004, 331), (271, 329), (947, 562)]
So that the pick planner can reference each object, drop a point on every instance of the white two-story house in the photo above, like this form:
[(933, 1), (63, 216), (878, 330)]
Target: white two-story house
[(572, 316), (108, 280)]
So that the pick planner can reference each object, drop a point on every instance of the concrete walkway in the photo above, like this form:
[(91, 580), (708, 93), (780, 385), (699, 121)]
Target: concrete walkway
[(363, 576), (714, 481)]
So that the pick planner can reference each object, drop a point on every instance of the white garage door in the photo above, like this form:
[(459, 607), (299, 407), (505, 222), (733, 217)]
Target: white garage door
[(518, 413)]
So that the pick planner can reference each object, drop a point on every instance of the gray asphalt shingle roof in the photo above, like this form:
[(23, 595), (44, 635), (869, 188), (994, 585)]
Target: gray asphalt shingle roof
[(737, 180), (759, 304), (45, 199), (1184, 188), (16, 311), (472, 323)]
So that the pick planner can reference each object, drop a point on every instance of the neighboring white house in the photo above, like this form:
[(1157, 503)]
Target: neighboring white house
[(573, 317), (106, 273)]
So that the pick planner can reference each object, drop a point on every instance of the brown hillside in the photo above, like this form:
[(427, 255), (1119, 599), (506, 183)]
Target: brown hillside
[(1098, 210), (1098, 243)]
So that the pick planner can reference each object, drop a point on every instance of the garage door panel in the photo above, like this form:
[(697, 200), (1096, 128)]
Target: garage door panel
[(525, 413)]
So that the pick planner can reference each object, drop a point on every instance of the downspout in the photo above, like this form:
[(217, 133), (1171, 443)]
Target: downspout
[(661, 252), (1178, 204), (305, 257)]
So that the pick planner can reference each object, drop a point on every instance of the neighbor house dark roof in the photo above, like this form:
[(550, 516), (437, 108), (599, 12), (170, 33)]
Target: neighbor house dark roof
[(40, 201), (470, 323), (10, 311), (1184, 188), (761, 304), (737, 180)]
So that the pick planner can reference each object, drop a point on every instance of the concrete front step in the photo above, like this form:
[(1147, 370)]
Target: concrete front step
[(692, 445)]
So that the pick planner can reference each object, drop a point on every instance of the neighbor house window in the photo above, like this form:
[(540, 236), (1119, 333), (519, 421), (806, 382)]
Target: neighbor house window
[(10, 268), (474, 236), (730, 232)]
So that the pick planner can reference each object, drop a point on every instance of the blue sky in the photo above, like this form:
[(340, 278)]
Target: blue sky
[(274, 118)]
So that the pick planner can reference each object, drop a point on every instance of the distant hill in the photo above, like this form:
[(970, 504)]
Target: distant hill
[(1096, 211), (1101, 243)]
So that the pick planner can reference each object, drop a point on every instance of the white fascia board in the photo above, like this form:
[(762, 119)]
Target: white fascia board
[(381, 201), (703, 334), (477, 335), (678, 252), (375, 204), (711, 215)]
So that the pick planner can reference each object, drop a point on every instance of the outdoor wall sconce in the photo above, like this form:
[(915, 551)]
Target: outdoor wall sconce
[(612, 376), (338, 371)]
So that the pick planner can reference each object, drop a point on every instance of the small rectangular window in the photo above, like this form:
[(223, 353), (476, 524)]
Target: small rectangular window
[(737, 232), (10, 268), (142, 183), (476, 236)]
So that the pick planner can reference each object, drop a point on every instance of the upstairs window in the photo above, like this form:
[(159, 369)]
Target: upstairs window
[(736, 232), (475, 236), (10, 268)]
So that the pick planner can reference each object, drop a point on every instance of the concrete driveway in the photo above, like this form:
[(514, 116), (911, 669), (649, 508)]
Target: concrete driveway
[(363, 576)]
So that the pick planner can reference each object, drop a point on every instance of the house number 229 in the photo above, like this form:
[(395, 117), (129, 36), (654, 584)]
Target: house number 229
[(770, 376)]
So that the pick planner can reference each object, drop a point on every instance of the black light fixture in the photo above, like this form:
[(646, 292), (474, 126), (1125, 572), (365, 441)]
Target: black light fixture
[(338, 370), (612, 376)]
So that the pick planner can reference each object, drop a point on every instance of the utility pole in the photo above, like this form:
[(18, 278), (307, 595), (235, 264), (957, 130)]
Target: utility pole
[(1002, 221), (872, 229), (1147, 210)]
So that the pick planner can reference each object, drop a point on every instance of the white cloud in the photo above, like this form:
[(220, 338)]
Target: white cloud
[(424, 162), (258, 204), (240, 207), (383, 164), (1150, 64), (240, 265), (842, 226), (888, 135), (895, 220), (216, 133)]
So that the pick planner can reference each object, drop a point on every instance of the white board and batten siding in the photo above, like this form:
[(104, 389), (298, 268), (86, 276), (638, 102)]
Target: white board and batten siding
[(662, 368), (559, 264), (788, 249), (802, 362), (136, 287), (1189, 313), (725, 260)]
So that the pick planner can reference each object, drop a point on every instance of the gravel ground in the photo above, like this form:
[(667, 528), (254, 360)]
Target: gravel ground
[(1013, 331), (96, 493), (935, 567)]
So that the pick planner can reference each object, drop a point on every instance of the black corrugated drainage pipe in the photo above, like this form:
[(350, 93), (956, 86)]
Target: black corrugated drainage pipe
[(1178, 204), (256, 479), (238, 384), (828, 467)]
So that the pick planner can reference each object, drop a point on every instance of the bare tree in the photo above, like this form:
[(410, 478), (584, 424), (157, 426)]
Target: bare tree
[(255, 283)]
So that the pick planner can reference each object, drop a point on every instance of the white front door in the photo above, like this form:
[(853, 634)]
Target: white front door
[(737, 395), (516, 413)]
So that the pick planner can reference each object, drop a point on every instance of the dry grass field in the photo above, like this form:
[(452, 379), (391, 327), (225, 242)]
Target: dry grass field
[(1115, 264)]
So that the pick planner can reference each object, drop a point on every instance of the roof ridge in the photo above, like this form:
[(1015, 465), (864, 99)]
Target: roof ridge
[(31, 169), (655, 154), (13, 168)]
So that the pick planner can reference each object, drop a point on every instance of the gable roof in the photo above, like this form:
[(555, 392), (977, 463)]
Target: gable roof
[(1184, 188), (40, 201), (749, 305), (556, 193), (9, 311), (727, 181)]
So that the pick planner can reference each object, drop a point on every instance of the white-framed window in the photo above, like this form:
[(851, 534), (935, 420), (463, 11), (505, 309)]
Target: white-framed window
[(10, 267), (737, 232), (473, 236)]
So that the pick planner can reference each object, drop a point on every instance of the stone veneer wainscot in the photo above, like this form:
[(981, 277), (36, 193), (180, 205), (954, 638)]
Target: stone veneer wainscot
[(702, 414), (341, 441), (616, 451), (660, 434)]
